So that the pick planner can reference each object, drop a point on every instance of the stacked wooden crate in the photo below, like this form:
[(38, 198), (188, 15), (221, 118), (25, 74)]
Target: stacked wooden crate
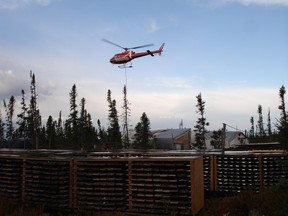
[(166, 185), (101, 184), (237, 172), (46, 182), (140, 185), (274, 168), (138, 182), (208, 172), (11, 177)]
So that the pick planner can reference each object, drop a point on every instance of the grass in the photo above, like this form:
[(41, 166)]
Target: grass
[(272, 202)]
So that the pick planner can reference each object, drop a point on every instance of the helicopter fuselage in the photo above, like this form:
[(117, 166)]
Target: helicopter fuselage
[(122, 58), (128, 55)]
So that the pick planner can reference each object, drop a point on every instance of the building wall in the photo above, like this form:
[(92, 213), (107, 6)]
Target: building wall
[(184, 140)]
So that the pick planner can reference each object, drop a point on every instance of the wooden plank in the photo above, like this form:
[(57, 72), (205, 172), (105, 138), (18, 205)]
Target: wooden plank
[(197, 185), (215, 172)]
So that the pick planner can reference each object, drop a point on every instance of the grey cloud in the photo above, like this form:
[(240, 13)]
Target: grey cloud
[(11, 84)]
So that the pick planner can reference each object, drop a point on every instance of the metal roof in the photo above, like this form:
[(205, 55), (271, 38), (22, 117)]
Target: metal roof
[(170, 133)]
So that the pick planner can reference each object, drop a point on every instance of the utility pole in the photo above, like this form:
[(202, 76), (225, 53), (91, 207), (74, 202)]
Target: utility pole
[(223, 137)]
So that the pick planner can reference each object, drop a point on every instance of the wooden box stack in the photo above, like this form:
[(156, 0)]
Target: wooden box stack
[(236, 173), (46, 182), (166, 185), (102, 184), (274, 168), (11, 177)]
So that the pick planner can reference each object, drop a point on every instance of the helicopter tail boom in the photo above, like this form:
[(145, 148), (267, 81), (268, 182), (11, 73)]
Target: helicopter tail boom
[(159, 51), (150, 52)]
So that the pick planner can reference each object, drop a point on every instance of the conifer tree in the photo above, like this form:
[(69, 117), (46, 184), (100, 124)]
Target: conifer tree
[(60, 141), (90, 131), (142, 133), (260, 124), (102, 136), (252, 129), (73, 116), (59, 124), (282, 107), (34, 118), (42, 137), (9, 118), (50, 132), (2, 134), (22, 118), (125, 117), (200, 127), (282, 124), (216, 141), (71, 124), (269, 128), (82, 122), (114, 135), (86, 129)]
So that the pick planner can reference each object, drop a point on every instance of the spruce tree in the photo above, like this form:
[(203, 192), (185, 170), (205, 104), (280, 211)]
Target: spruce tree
[(200, 127), (9, 118), (282, 124), (252, 129), (269, 128), (2, 134), (282, 107), (73, 116), (260, 123), (34, 118), (102, 136), (90, 131), (216, 141), (50, 132), (71, 124), (59, 140), (82, 122), (86, 129), (114, 135), (22, 118), (142, 133), (125, 117)]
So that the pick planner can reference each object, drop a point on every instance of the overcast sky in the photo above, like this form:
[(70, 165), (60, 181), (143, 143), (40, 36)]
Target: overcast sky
[(235, 52)]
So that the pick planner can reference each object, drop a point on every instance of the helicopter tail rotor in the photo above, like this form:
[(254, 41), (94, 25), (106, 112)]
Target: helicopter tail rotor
[(160, 50)]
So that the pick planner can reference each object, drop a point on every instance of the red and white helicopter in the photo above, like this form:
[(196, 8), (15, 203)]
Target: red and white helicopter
[(128, 55)]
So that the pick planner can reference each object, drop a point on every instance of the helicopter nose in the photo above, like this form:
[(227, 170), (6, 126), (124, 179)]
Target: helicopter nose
[(112, 60)]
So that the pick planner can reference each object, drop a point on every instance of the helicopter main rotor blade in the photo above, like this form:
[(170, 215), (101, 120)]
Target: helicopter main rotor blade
[(107, 41), (137, 47), (147, 45)]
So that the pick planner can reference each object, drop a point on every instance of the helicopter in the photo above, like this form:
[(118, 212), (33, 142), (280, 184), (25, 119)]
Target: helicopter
[(128, 55)]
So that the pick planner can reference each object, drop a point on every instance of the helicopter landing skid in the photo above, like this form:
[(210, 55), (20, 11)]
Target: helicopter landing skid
[(124, 66)]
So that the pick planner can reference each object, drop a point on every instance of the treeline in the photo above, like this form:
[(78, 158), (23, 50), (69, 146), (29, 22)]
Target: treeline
[(258, 133), (76, 132), (261, 132)]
